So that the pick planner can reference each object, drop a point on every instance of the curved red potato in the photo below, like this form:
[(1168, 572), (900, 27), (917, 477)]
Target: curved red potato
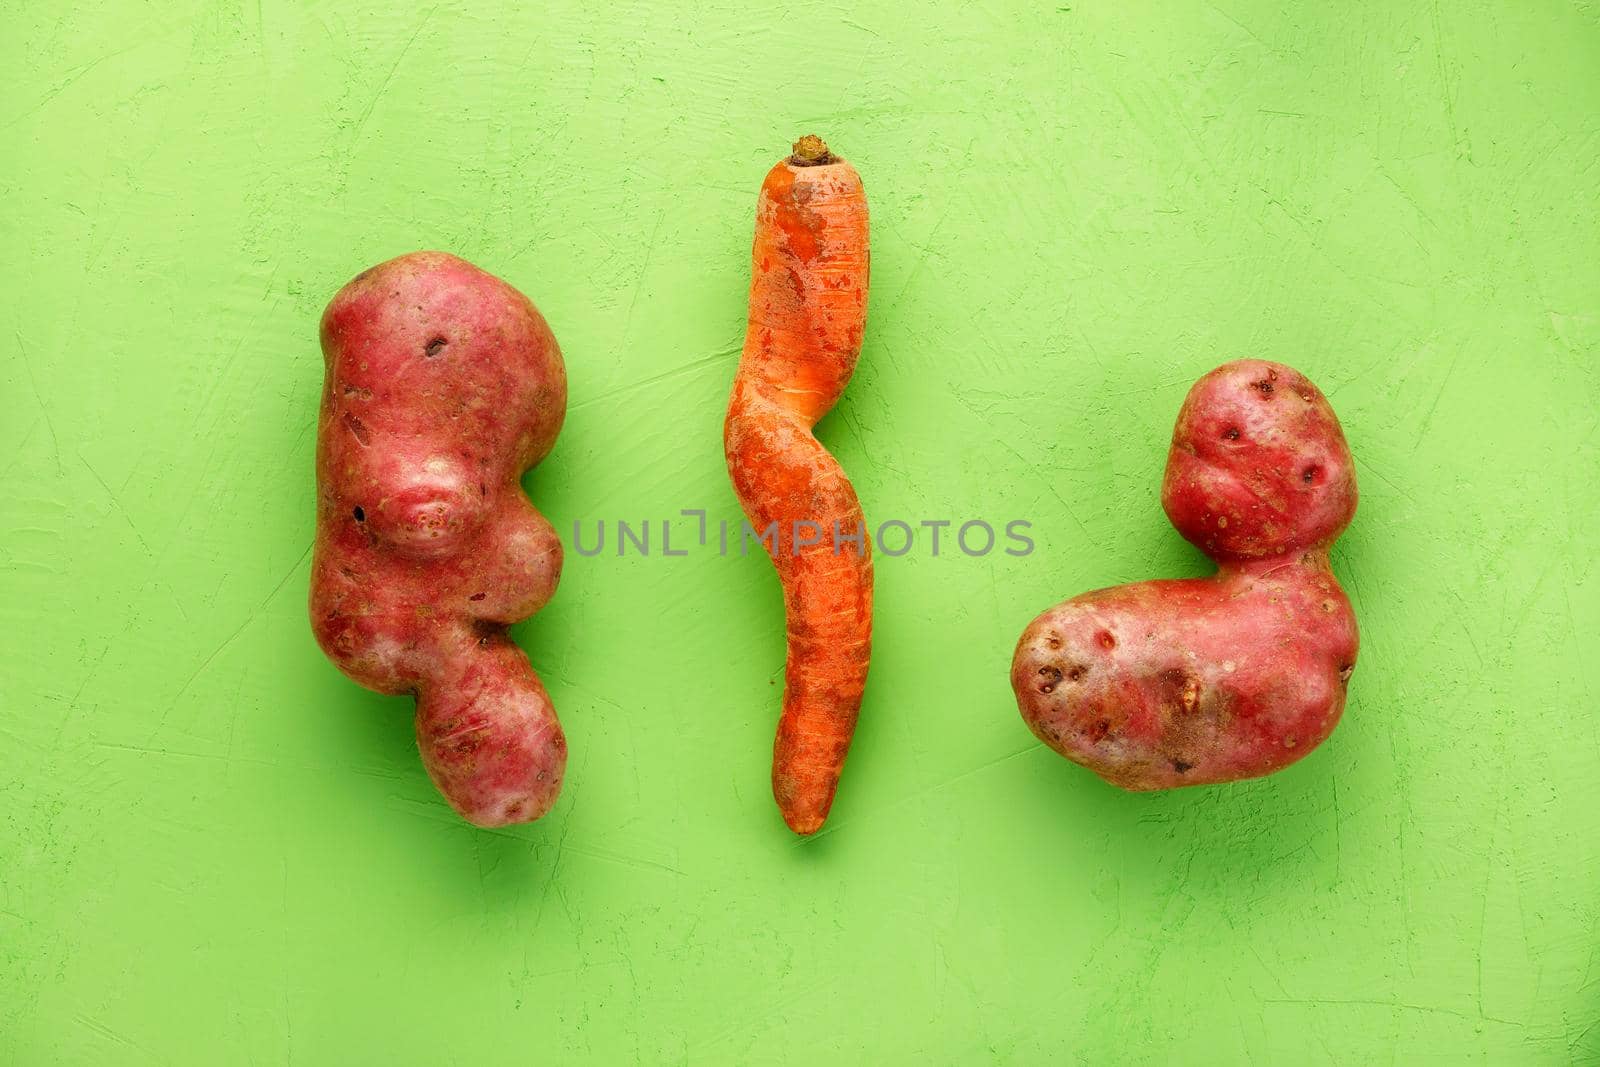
[(1187, 682), (443, 385)]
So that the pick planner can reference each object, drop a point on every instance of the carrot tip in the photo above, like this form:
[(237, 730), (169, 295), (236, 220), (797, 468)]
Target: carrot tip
[(805, 824), (810, 151)]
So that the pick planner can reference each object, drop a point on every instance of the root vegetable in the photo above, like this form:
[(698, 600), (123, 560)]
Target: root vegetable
[(443, 385), (808, 302), (1193, 681)]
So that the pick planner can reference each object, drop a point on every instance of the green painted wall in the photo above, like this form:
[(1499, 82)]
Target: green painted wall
[(214, 849)]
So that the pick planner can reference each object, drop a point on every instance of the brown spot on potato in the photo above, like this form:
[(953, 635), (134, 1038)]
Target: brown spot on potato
[(357, 428), (1290, 742), (1051, 675), (1179, 693), (1076, 672), (1345, 672), (1264, 387), (1231, 433), (1106, 640), (477, 596), (360, 513), (434, 347), (1182, 766), (1183, 688), (1309, 475)]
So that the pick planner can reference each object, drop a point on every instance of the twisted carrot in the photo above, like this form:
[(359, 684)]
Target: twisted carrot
[(808, 306)]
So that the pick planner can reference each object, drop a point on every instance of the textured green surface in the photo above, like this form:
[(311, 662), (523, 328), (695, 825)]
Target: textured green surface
[(214, 849)]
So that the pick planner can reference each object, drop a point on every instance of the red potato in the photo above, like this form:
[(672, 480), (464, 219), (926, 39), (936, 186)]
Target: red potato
[(443, 386), (1194, 681)]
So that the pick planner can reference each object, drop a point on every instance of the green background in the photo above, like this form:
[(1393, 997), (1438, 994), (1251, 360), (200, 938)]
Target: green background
[(214, 849)]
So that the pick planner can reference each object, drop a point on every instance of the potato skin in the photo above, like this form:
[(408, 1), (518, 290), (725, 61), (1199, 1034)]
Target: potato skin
[(1188, 682), (443, 385)]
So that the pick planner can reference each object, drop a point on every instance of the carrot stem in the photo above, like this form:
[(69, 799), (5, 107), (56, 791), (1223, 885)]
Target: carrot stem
[(811, 151)]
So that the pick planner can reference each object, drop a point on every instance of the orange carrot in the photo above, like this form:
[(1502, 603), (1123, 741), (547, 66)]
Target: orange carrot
[(808, 307)]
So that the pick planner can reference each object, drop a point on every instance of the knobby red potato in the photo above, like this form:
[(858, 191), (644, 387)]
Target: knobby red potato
[(1193, 681), (808, 308), (443, 386)]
